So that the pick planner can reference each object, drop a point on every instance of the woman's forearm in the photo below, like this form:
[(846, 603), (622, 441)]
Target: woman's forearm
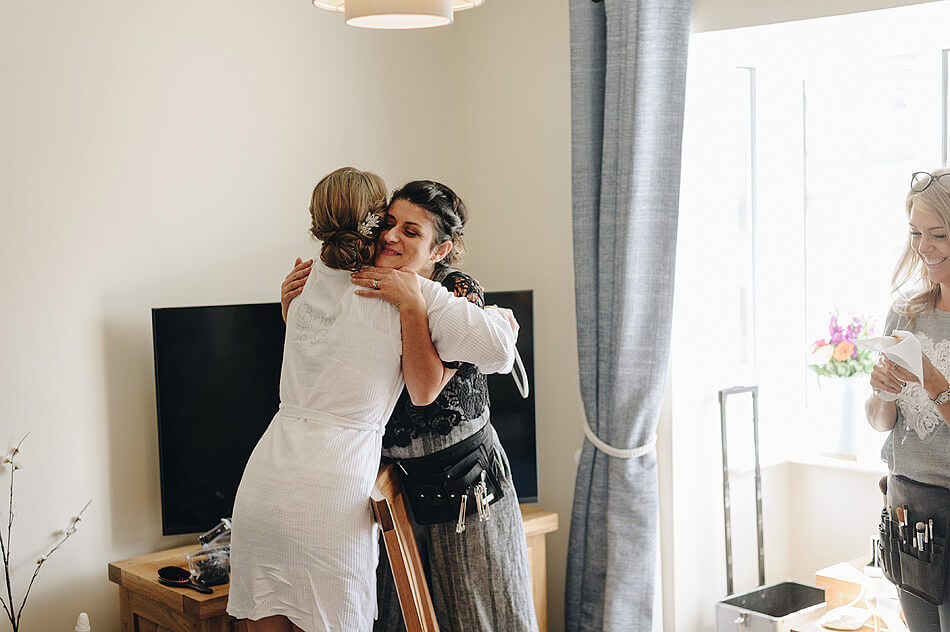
[(422, 367), (881, 415)]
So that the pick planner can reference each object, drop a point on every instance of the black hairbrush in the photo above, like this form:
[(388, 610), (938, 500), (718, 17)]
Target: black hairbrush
[(176, 576)]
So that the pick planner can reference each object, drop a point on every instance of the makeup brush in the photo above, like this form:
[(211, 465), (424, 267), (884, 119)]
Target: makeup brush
[(882, 485)]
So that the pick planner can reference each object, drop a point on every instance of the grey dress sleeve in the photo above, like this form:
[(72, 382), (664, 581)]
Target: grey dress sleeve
[(893, 321)]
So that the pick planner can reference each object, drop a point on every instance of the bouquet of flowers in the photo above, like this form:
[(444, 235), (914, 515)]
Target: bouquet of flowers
[(838, 356)]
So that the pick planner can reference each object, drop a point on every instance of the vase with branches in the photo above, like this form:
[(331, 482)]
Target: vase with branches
[(10, 608)]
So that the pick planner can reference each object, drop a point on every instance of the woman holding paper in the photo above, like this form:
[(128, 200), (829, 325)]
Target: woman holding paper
[(916, 412)]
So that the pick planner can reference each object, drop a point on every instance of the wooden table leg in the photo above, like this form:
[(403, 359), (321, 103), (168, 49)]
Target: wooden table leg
[(537, 566), (126, 616)]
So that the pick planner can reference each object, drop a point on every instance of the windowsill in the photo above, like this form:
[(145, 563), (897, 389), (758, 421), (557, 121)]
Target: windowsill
[(865, 466), (819, 460)]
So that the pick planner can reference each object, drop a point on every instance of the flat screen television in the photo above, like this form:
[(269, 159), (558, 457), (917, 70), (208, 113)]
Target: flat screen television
[(217, 370)]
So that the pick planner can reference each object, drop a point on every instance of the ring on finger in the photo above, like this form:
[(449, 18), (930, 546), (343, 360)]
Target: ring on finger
[(375, 284)]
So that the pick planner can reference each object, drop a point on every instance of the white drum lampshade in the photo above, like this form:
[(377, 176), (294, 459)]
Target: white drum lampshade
[(397, 14)]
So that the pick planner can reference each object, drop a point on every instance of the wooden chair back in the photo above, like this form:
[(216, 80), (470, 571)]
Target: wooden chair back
[(391, 511)]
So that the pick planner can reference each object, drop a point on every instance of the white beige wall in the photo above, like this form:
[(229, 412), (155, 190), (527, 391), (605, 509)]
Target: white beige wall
[(159, 154)]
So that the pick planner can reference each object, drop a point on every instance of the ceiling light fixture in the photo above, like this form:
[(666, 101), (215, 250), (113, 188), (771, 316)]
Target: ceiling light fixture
[(397, 14)]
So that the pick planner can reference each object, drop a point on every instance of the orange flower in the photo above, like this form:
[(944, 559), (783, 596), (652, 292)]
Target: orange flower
[(843, 351)]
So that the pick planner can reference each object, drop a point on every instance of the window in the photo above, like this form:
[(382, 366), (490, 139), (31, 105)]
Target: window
[(798, 148)]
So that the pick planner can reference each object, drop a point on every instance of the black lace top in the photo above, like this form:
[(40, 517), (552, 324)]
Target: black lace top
[(460, 408)]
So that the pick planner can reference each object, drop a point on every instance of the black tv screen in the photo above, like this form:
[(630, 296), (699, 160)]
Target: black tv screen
[(217, 372)]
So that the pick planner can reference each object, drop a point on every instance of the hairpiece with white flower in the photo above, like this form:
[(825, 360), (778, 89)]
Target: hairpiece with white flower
[(370, 225)]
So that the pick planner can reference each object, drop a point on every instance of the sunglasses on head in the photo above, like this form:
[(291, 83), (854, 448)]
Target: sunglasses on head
[(920, 180)]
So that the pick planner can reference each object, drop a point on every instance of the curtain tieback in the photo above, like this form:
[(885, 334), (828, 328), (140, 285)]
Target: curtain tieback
[(620, 453)]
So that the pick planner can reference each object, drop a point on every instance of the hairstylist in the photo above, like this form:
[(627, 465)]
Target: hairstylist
[(917, 449), (479, 577)]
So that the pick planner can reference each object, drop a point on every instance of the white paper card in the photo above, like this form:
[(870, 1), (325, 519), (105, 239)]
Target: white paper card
[(905, 353)]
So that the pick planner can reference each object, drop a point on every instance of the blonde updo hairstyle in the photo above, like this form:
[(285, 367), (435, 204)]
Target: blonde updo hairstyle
[(924, 293), (341, 201)]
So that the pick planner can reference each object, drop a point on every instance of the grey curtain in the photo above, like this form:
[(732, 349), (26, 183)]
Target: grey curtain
[(628, 78)]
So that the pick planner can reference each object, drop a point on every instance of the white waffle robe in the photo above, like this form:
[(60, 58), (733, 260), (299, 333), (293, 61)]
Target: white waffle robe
[(304, 542)]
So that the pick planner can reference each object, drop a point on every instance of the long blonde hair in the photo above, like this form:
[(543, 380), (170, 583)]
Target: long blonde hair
[(924, 293), (340, 202)]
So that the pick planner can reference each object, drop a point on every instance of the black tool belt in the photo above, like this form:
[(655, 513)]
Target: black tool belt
[(911, 561), (450, 484)]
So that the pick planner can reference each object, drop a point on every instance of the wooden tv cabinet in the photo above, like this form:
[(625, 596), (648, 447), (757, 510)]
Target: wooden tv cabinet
[(147, 606)]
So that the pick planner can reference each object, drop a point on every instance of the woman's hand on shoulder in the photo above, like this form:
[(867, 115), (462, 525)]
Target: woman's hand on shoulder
[(398, 287), (293, 284)]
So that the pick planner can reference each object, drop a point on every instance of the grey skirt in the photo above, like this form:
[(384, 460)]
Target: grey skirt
[(479, 579)]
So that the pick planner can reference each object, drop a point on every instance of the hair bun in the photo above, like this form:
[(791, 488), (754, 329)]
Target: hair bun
[(345, 250)]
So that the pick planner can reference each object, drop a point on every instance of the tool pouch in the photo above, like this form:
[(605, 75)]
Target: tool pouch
[(435, 483), (919, 572)]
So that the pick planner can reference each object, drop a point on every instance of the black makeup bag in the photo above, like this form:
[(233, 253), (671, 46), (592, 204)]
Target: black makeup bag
[(434, 484), (920, 571)]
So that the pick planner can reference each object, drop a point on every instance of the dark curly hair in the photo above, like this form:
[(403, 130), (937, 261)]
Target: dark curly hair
[(446, 210), (340, 202)]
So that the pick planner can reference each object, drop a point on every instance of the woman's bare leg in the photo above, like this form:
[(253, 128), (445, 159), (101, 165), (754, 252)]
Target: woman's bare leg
[(277, 623)]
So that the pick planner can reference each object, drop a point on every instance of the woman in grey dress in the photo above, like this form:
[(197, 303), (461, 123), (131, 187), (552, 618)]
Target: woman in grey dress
[(479, 578), (917, 449)]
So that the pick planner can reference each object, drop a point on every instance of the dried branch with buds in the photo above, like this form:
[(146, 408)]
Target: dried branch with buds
[(9, 605)]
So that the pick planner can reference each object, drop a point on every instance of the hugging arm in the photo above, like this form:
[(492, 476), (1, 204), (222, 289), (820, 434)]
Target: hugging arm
[(464, 332), (425, 372), (461, 331), (293, 284), (422, 368)]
